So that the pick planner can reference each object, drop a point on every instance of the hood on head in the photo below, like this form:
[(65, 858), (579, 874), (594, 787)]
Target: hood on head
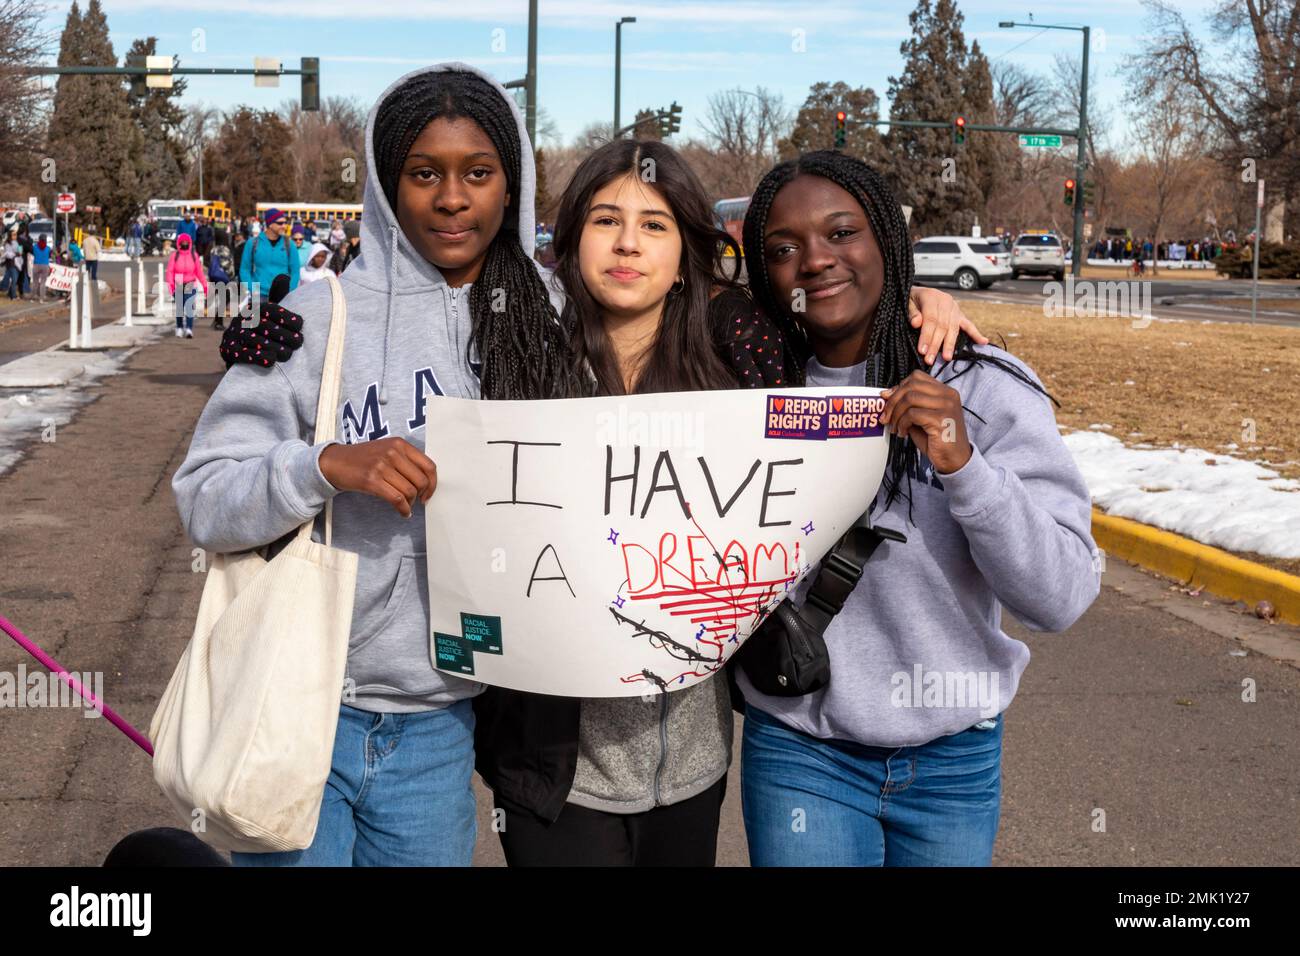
[(183, 241), (316, 249), (388, 255)]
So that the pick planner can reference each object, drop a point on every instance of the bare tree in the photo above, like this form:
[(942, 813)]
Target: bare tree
[(1246, 81), (1063, 111), (743, 131), (197, 128), (1166, 135), (24, 102)]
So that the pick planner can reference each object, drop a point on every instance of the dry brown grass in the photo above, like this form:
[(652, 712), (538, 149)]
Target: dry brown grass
[(1192, 383)]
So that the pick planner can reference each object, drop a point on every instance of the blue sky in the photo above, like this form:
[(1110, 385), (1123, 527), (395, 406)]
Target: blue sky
[(681, 50)]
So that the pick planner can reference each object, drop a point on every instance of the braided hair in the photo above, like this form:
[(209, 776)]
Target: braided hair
[(524, 349), (893, 339)]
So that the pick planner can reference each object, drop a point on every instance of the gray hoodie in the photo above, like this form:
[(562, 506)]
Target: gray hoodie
[(252, 474), (918, 651)]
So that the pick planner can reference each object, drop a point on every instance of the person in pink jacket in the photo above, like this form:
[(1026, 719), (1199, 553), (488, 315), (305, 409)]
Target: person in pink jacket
[(185, 276)]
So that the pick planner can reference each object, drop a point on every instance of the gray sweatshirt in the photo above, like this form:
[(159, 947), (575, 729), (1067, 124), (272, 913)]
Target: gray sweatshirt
[(918, 651), (252, 472)]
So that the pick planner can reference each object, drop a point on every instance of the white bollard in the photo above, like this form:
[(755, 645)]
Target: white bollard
[(86, 310), (141, 305), (73, 292), (162, 285), (126, 314)]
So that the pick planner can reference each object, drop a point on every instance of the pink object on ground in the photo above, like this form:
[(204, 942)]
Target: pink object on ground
[(31, 648)]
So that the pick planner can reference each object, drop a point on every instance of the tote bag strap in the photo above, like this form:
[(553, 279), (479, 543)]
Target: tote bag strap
[(331, 381)]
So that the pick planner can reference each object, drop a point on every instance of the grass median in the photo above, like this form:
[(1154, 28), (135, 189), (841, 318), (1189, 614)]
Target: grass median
[(1208, 385)]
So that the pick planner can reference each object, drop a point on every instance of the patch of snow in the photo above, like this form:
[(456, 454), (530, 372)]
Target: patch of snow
[(1237, 505)]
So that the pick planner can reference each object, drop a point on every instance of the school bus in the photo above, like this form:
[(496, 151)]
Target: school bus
[(319, 214), (730, 214), (214, 211)]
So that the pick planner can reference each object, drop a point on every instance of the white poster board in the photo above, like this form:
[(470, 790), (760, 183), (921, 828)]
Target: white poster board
[(61, 278), (612, 547)]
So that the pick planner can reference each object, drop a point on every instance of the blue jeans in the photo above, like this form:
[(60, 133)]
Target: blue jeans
[(811, 802), (398, 793), (10, 282), (186, 303)]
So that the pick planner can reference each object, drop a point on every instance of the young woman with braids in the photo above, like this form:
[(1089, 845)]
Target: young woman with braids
[(897, 761), (446, 280)]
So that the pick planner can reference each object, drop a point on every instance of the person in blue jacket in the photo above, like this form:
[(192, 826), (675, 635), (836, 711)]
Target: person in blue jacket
[(269, 255)]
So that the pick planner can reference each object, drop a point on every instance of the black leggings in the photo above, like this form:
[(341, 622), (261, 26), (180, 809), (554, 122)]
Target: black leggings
[(681, 834)]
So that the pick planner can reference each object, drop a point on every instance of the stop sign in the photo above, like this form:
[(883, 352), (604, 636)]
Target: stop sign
[(67, 203)]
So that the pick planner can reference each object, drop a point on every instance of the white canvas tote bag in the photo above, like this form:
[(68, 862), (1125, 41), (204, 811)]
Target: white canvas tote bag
[(244, 734)]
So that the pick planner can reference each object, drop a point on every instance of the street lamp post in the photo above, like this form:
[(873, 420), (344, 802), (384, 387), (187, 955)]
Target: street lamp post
[(1081, 158), (618, 64)]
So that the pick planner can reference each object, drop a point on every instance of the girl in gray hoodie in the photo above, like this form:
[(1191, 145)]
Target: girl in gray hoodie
[(448, 219)]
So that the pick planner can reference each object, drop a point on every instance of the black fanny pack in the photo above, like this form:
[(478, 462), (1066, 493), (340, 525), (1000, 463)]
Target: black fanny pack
[(787, 655)]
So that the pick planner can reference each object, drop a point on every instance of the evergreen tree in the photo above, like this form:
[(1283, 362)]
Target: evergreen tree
[(814, 127), (92, 137), (945, 184), (161, 161)]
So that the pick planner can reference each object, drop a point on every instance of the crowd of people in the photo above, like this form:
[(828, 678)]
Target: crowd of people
[(1126, 249), (26, 261), (252, 252)]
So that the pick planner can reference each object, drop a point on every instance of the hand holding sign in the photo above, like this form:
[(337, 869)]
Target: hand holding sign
[(610, 547), (929, 412)]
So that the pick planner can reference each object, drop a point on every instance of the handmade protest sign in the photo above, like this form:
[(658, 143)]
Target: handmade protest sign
[(610, 547)]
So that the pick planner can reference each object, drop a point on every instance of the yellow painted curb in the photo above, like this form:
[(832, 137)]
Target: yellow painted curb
[(1198, 564)]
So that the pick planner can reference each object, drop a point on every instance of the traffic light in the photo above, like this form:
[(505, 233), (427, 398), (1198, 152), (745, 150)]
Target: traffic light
[(310, 83), (139, 85), (670, 121), (1087, 194), (1069, 192), (841, 129), (959, 131)]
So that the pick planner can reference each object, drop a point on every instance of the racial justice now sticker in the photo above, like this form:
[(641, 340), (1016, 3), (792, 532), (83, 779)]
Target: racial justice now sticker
[(817, 418)]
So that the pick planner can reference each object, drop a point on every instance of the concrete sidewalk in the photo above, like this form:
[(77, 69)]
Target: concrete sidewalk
[(1136, 711)]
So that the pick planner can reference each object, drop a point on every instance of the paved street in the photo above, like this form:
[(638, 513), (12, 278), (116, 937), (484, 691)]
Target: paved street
[(1136, 711)]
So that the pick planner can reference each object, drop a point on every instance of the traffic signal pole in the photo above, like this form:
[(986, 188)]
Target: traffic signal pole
[(1081, 162), (310, 73)]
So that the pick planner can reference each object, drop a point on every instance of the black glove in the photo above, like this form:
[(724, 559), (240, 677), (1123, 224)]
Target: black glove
[(272, 340), (275, 337), (749, 342)]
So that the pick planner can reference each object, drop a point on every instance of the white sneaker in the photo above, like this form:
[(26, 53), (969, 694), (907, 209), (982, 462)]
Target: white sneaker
[(189, 333), (179, 333)]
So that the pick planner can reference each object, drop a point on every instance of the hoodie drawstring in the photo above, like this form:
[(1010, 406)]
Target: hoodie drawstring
[(388, 314)]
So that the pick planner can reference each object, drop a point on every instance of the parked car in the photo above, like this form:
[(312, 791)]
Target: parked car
[(970, 261), (1038, 254), (42, 227)]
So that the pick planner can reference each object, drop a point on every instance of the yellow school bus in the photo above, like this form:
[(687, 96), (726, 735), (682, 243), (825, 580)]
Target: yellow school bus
[(215, 211), (319, 214), (730, 215)]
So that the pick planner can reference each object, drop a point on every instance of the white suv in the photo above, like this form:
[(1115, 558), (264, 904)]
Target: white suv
[(1038, 253), (970, 261)]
